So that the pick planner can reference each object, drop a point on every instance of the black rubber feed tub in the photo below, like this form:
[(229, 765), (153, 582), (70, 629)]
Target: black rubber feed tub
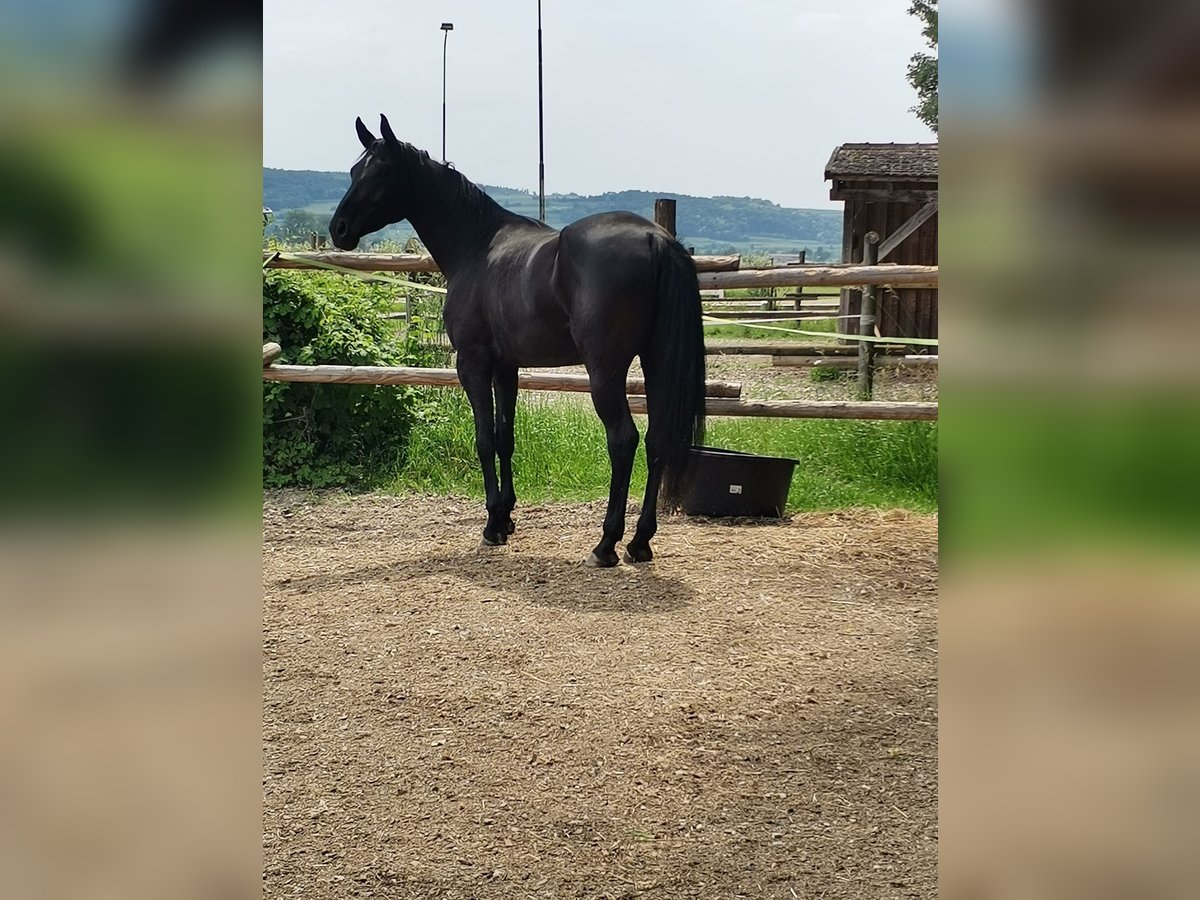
[(731, 483)]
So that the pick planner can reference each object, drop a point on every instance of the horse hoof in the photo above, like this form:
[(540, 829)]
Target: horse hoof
[(510, 526), (597, 562), (487, 542), (637, 555)]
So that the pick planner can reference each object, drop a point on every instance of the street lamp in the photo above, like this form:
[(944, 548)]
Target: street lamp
[(447, 27)]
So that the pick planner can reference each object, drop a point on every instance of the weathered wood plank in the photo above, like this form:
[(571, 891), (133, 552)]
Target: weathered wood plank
[(826, 276), (789, 349), (714, 406), (715, 272), (770, 315), (404, 375), (358, 262), (420, 262), (897, 237), (811, 409)]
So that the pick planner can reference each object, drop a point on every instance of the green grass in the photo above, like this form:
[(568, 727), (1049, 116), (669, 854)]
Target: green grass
[(1056, 469), (844, 463), (561, 455), (817, 374), (771, 335)]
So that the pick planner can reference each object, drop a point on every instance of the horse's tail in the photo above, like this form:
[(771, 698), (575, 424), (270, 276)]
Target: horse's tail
[(675, 377)]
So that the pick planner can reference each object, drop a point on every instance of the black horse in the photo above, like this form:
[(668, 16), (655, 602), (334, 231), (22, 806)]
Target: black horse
[(519, 293)]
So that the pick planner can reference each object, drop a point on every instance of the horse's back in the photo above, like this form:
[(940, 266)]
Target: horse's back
[(612, 252), (621, 232), (556, 298)]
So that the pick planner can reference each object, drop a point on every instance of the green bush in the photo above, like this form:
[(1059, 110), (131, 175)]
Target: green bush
[(335, 435)]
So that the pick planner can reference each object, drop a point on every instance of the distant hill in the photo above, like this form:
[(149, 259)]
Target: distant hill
[(710, 224), (288, 189)]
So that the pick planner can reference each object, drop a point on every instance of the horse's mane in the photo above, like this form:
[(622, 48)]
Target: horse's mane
[(453, 186), (450, 184)]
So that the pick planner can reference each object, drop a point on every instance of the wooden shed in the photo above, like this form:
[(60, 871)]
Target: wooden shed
[(891, 189)]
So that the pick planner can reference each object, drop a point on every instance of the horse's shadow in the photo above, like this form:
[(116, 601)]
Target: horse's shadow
[(547, 581), (568, 584)]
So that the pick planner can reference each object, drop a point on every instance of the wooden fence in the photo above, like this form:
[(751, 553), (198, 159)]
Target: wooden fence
[(406, 375), (723, 398), (713, 273), (417, 262)]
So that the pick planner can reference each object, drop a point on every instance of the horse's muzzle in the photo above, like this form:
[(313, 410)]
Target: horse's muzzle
[(339, 230)]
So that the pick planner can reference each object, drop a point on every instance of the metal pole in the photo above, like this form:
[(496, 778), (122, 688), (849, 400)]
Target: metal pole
[(541, 131), (445, 42), (447, 27), (866, 321)]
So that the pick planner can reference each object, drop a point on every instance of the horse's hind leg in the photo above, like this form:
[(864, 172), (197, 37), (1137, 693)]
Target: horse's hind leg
[(638, 550), (504, 382), (608, 396), (475, 373)]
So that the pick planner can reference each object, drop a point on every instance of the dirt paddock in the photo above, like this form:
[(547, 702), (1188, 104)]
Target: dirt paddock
[(754, 714)]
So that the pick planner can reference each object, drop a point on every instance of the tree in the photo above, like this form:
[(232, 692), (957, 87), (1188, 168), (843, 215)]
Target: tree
[(295, 225), (923, 68)]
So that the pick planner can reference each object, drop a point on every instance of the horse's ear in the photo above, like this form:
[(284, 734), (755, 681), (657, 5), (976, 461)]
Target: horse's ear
[(364, 135), (386, 130)]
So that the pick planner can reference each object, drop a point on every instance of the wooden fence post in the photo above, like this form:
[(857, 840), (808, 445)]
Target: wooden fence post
[(800, 262), (866, 321), (664, 214)]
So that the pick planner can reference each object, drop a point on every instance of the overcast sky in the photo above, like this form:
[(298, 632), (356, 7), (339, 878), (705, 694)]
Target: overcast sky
[(687, 96)]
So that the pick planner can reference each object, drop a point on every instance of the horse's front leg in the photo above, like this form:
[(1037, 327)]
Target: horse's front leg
[(475, 374), (504, 381)]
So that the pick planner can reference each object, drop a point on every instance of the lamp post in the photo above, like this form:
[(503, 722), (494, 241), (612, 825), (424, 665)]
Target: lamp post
[(541, 142), (447, 27)]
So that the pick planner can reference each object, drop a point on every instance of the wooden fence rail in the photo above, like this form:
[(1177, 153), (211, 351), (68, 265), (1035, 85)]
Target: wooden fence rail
[(419, 262), (764, 316), (812, 409), (715, 272), (823, 276), (789, 349), (405, 375), (730, 404)]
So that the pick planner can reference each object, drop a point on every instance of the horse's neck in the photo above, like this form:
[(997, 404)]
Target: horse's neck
[(452, 216)]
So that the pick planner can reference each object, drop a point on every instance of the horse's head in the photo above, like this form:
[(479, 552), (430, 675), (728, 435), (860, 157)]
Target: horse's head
[(375, 197)]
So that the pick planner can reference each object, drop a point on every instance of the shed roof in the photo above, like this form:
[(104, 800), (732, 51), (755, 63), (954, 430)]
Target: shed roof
[(918, 162)]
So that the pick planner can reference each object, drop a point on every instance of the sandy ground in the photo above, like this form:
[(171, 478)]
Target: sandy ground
[(754, 714)]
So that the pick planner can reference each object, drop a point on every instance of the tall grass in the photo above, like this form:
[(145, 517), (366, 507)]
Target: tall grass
[(844, 462), (561, 455)]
